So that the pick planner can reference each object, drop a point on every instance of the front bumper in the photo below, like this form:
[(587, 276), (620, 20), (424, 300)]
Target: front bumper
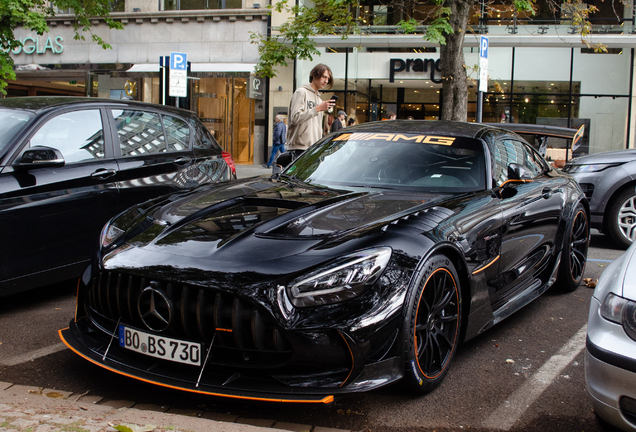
[(216, 381), (252, 353), (610, 370)]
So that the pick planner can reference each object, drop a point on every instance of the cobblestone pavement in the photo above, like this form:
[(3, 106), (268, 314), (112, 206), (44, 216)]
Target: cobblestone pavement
[(33, 409)]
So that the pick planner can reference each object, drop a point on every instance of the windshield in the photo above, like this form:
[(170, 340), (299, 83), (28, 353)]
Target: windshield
[(11, 123), (394, 161)]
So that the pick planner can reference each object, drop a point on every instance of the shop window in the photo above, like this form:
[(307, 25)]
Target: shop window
[(117, 5), (78, 135), (200, 4), (139, 132)]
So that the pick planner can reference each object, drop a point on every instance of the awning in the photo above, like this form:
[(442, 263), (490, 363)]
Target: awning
[(222, 67), (199, 67), (144, 67)]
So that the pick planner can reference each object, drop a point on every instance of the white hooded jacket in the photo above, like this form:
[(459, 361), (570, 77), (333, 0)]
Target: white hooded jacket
[(305, 122)]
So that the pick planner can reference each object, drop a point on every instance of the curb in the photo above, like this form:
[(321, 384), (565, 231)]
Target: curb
[(46, 410)]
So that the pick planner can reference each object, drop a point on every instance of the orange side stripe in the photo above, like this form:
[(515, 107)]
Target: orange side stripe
[(486, 266), (325, 400), (515, 181), (224, 330)]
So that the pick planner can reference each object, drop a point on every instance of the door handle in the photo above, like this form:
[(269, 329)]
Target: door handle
[(103, 174), (181, 160), (546, 193)]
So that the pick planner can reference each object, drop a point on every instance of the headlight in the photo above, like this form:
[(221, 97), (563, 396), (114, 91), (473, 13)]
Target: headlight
[(589, 168), (110, 234), (345, 278), (621, 311)]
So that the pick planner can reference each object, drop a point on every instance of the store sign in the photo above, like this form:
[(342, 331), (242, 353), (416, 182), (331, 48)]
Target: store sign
[(415, 65), (255, 87), (39, 45)]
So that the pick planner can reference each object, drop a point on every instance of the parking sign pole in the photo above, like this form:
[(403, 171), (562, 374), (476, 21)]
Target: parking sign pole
[(482, 83)]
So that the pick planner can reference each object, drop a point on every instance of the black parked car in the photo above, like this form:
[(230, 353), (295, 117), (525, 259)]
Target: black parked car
[(68, 165), (365, 262)]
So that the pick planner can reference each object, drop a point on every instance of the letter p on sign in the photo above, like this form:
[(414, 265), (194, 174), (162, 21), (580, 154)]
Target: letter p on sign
[(178, 61)]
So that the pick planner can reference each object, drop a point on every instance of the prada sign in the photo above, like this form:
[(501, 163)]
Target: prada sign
[(415, 65)]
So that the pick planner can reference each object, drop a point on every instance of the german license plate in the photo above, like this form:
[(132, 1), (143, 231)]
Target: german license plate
[(159, 346)]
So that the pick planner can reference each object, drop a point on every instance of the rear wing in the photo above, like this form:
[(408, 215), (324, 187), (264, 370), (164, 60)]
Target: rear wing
[(561, 152)]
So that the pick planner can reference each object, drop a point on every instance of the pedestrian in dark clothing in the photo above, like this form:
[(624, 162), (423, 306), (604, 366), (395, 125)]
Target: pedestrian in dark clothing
[(278, 140), (337, 122)]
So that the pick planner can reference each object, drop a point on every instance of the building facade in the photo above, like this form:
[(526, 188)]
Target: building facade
[(215, 35), (540, 71)]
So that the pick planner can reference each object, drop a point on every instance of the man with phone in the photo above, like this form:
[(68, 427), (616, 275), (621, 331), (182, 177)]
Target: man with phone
[(338, 122), (306, 109)]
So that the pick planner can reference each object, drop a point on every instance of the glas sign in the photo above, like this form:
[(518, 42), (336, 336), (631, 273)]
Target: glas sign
[(39, 45)]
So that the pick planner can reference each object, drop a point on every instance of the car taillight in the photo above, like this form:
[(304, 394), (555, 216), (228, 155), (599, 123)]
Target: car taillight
[(230, 162)]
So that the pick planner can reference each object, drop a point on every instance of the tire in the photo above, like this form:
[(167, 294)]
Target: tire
[(620, 223), (431, 325), (576, 241)]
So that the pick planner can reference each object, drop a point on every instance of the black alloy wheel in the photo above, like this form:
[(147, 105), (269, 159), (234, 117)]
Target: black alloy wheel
[(432, 325), (574, 254)]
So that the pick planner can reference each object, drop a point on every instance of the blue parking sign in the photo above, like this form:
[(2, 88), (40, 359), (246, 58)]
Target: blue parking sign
[(483, 47), (178, 61)]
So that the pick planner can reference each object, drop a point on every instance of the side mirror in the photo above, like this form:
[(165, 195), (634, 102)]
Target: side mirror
[(518, 172), (39, 157), (284, 159)]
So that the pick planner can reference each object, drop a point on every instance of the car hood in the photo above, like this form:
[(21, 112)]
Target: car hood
[(261, 221), (619, 156)]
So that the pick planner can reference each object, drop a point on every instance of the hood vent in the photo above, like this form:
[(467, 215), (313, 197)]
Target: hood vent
[(421, 221)]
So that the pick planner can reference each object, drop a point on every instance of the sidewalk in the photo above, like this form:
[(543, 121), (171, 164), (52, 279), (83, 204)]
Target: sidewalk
[(24, 408)]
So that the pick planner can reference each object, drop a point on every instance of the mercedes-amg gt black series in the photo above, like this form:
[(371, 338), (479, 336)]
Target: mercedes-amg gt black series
[(366, 261)]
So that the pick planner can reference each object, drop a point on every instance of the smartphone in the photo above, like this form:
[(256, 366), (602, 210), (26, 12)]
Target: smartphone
[(335, 99)]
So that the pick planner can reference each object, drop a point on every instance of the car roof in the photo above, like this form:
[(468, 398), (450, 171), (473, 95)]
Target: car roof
[(39, 104), (441, 127)]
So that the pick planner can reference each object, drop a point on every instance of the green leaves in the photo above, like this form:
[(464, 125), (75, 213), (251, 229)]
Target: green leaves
[(409, 26), (293, 39), (32, 14), (440, 26)]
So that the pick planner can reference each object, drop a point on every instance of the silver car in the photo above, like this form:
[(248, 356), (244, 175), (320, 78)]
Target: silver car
[(608, 180), (610, 358)]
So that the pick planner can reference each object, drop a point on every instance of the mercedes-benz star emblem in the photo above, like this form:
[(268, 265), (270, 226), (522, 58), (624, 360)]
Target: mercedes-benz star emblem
[(155, 309)]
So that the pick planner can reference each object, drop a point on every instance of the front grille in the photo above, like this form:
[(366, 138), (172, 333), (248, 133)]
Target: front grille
[(628, 408), (241, 335), (588, 190)]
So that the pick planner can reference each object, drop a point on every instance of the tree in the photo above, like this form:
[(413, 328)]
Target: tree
[(32, 14), (446, 24)]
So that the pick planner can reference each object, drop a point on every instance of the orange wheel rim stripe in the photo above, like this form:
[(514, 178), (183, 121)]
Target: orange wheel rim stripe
[(415, 325)]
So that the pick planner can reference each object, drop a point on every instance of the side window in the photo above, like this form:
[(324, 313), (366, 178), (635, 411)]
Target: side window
[(203, 139), (79, 135), (509, 151), (178, 133), (532, 161), (139, 132)]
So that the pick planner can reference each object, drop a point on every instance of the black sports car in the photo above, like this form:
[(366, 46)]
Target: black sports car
[(365, 262)]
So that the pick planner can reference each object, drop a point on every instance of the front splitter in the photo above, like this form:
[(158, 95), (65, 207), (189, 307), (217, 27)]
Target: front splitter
[(69, 339)]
